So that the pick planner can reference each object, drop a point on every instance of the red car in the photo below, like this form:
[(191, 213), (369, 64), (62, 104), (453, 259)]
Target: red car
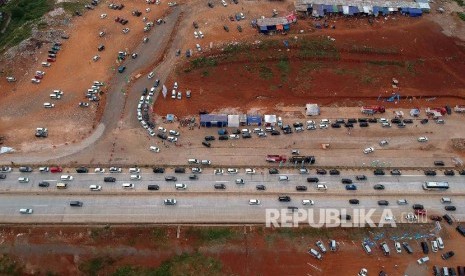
[(56, 169), (420, 212), (38, 77), (117, 19), (51, 59), (435, 218)]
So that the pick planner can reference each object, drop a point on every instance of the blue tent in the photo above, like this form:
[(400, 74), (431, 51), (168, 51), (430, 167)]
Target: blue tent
[(263, 29), (287, 27), (254, 120), (377, 10), (353, 10), (414, 12), (211, 120), (170, 117), (328, 8)]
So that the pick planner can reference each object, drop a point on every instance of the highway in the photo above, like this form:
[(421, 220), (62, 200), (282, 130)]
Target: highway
[(201, 203)]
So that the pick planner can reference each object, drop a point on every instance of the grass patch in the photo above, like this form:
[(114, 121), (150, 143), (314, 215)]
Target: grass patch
[(318, 48), (93, 266), (24, 14), (386, 63), (284, 65), (209, 235), (265, 72), (410, 66), (461, 15), (184, 264), (205, 73), (366, 79), (460, 2), (71, 7), (9, 266), (370, 50), (203, 62)]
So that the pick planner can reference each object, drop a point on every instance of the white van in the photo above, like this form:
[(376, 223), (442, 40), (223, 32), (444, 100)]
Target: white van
[(440, 243), (434, 246), (193, 161), (367, 248), (332, 245), (62, 185), (23, 180), (446, 200), (66, 177), (385, 249), (25, 211)]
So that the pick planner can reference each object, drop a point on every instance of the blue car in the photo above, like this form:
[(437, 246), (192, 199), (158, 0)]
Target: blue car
[(351, 187), (121, 69)]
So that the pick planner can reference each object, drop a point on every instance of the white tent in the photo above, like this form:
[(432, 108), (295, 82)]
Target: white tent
[(312, 110), (233, 120), (270, 120)]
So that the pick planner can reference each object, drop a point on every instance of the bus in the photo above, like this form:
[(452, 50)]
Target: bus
[(430, 185)]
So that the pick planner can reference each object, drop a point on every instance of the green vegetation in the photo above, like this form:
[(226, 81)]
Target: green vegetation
[(208, 235), (71, 7), (203, 62), (460, 2), (24, 14), (9, 266), (265, 72), (386, 62), (184, 264), (93, 266), (318, 48), (461, 15), (284, 65), (370, 50), (368, 79)]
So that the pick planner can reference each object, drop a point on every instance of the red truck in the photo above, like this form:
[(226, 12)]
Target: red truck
[(276, 158), (56, 169), (373, 109)]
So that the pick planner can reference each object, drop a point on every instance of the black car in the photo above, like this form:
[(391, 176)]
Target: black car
[(335, 125), (449, 172), (354, 201), (407, 247), (223, 137), (346, 181), (396, 121), (363, 124), (395, 172), (361, 177), (424, 247), (297, 124), (424, 121), (407, 121), (401, 125), (193, 177), (109, 179), (275, 132), (418, 207), (334, 172), (170, 178), (284, 198), (179, 170), (460, 229), (145, 92), (157, 83), (158, 170), (351, 120), (44, 184), (2, 176), (301, 188), (206, 144), (447, 255), (236, 131), (153, 187), (349, 125), (383, 202), (221, 186), (430, 172), (101, 48), (362, 120), (75, 203), (260, 187), (372, 120), (25, 169), (287, 130), (439, 163), (312, 179), (82, 170), (321, 171), (378, 187), (378, 172), (162, 136), (273, 171), (448, 219), (450, 208), (340, 121)]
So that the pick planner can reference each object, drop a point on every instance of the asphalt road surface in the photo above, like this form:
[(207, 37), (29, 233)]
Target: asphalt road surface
[(201, 203)]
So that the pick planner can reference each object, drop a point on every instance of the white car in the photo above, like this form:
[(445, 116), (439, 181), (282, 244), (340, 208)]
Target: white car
[(423, 260), (154, 149), (103, 15), (173, 94), (102, 34), (95, 188), (134, 170), (115, 170), (162, 129), (135, 177), (66, 177), (250, 171), (36, 81), (307, 202), (233, 136), (224, 3), (175, 86), (200, 34), (397, 246), (174, 132), (99, 170), (219, 171), (422, 139), (44, 169), (196, 170), (170, 201), (411, 217), (23, 180), (179, 95), (172, 139), (196, 35), (180, 186), (233, 171), (323, 126), (303, 171), (325, 121), (150, 131), (151, 75), (198, 47), (49, 105), (96, 58), (128, 186), (240, 181), (25, 211), (5, 169), (254, 202), (386, 124), (368, 150), (125, 30)]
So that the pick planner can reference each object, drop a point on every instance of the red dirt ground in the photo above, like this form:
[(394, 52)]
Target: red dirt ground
[(251, 250), (414, 51)]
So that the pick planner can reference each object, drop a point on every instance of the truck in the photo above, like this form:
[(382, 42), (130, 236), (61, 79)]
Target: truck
[(459, 108), (435, 110), (275, 158), (372, 109), (301, 158)]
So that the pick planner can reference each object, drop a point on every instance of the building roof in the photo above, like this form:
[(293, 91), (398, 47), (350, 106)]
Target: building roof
[(213, 117), (272, 21), (270, 118), (303, 5)]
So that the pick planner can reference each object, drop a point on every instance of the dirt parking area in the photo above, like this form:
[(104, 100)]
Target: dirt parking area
[(245, 250)]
